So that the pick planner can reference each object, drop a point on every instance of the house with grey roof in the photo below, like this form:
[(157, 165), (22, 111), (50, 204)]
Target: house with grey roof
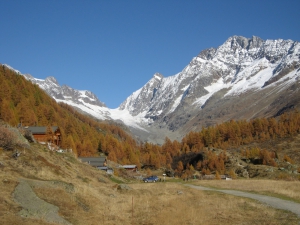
[(94, 161), (48, 134)]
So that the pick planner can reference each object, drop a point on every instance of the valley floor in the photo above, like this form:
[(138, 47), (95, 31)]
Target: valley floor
[(43, 188)]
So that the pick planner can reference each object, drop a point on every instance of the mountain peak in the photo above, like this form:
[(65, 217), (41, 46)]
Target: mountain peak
[(245, 43), (207, 54), (51, 80), (158, 76)]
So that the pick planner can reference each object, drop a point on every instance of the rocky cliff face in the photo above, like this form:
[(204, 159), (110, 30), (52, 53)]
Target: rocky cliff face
[(139, 101)]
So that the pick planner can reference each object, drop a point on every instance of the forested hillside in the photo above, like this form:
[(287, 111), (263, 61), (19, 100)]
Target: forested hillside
[(257, 139), (23, 102)]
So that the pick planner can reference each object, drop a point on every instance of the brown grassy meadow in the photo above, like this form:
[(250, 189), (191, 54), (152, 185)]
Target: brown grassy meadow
[(160, 203), (86, 195)]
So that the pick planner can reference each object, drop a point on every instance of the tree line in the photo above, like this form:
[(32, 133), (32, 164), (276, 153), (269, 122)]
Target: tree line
[(24, 102), (227, 135)]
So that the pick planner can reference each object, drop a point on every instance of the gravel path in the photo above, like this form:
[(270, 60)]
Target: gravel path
[(271, 201), (35, 207)]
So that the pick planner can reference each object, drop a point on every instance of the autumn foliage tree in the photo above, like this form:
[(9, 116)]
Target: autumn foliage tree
[(179, 168)]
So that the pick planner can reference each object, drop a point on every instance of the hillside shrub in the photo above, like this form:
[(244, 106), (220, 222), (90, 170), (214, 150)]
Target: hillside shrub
[(288, 159), (232, 174), (265, 157), (7, 138)]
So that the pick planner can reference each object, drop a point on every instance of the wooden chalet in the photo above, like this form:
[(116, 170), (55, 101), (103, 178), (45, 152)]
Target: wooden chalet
[(43, 134)]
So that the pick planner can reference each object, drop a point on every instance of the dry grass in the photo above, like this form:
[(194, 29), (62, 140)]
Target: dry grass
[(86, 196), (169, 203), (160, 203), (278, 188)]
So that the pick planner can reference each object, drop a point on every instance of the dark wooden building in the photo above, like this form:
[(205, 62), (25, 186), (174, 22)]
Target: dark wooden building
[(130, 167), (46, 134)]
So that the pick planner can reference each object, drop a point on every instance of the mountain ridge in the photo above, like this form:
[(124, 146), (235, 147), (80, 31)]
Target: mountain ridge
[(237, 67), (250, 75)]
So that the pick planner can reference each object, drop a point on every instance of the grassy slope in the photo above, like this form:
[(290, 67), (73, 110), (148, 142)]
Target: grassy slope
[(86, 196)]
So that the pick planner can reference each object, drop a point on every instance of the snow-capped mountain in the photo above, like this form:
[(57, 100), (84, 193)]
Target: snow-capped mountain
[(243, 78), (219, 83), (240, 64)]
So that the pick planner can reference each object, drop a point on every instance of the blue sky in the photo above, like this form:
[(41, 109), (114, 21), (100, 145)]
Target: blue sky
[(114, 47)]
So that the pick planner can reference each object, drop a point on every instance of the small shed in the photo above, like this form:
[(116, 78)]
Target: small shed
[(108, 170), (130, 167), (94, 161)]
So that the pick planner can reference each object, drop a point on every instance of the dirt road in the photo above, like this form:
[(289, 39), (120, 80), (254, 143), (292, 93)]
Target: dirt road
[(35, 207), (271, 201)]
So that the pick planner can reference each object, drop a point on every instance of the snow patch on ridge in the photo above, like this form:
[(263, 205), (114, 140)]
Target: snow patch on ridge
[(128, 119), (104, 113), (213, 88)]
